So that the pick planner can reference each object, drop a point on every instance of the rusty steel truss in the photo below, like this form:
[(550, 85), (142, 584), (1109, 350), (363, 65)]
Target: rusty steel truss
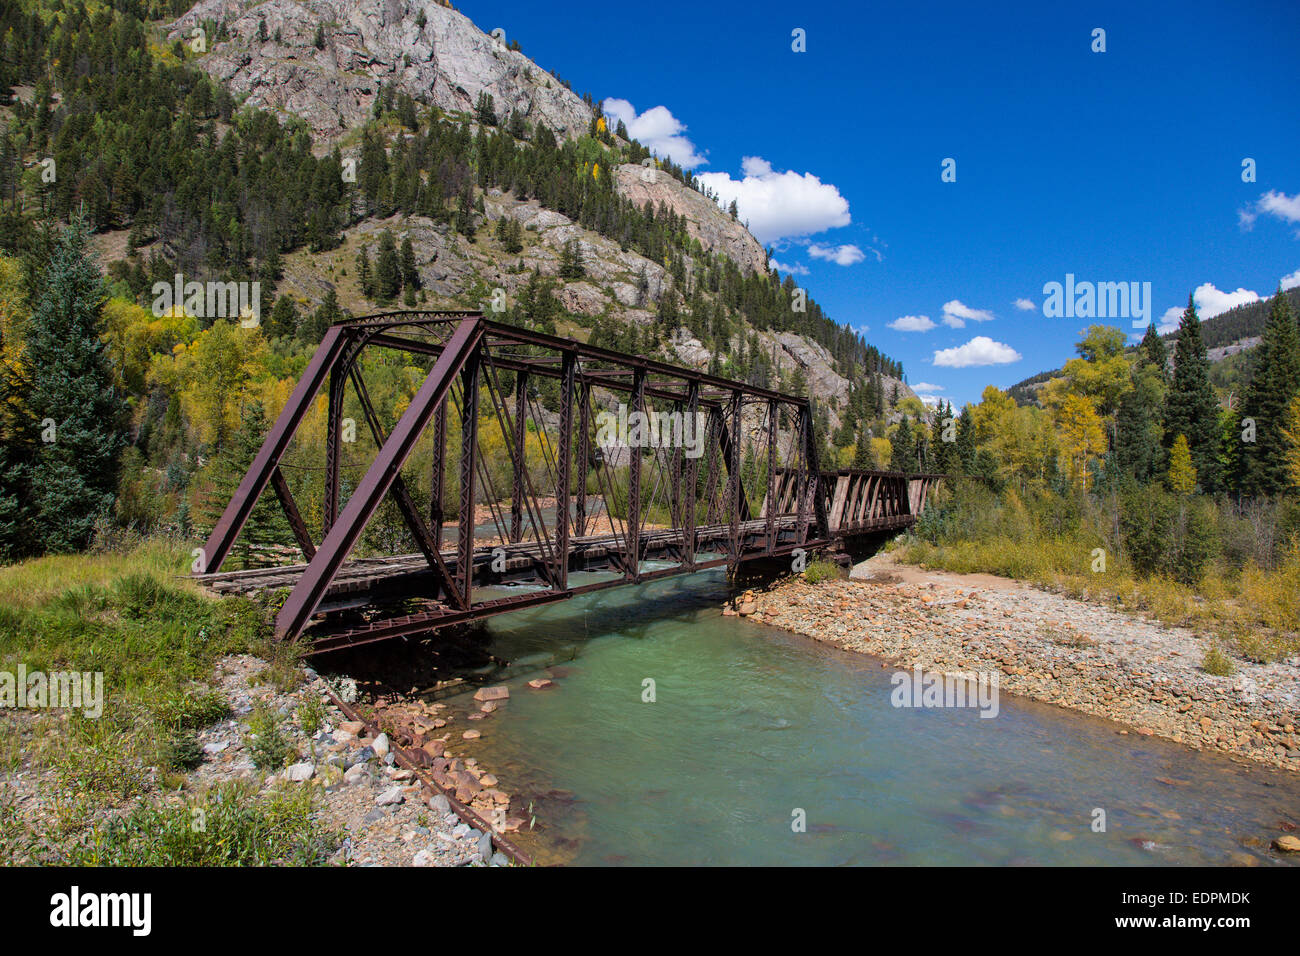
[(579, 513)]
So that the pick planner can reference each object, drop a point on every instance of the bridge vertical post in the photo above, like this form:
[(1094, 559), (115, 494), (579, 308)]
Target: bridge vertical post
[(735, 488), (437, 472), (584, 456), (690, 476), (810, 453), (517, 486), (333, 435), (468, 461), (633, 561), (564, 453), (770, 504)]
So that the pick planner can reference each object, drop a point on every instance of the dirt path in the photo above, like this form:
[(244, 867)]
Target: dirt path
[(1052, 648)]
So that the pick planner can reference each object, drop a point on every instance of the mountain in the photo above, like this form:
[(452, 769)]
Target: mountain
[(324, 61), (337, 65)]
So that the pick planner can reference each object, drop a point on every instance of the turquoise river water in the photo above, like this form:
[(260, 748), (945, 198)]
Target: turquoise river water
[(752, 729)]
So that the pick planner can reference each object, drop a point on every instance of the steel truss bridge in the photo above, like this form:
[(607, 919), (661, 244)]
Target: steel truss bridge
[(508, 421)]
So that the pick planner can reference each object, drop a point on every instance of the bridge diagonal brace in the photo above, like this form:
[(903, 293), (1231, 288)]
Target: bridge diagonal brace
[(307, 594), (296, 524), (402, 496)]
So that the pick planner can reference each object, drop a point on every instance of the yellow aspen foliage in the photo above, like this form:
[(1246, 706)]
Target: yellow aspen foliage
[(595, 170), (1082, 437), (600, 124), (1291, 435), (1182, 473)]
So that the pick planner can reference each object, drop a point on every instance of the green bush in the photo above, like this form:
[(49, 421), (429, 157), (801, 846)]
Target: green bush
[(230, 826), (267, 742), (819, 571)]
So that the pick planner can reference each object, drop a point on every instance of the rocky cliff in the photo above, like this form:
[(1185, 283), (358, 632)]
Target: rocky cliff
[(429, 50)]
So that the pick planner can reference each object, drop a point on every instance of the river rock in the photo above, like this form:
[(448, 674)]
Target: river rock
[(500, 692), (1287, 844)]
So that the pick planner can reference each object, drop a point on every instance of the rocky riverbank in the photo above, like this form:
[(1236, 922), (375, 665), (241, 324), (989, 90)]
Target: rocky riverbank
[(1048, 647), (386, 814)]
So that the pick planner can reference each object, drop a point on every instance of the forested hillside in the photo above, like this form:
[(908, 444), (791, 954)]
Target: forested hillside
[(120, 152)]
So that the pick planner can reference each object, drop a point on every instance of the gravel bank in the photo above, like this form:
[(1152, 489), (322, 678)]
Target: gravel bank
[(1048, 647)]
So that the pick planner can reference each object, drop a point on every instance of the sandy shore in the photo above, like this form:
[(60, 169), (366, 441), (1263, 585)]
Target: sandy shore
[(1048, 647)]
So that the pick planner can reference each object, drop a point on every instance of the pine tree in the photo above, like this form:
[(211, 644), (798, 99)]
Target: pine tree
[(571, 264), (73, 394), (903, 444), (1262, 461), (388, 271), (1190, 406), (410, 274), (1139, 431)]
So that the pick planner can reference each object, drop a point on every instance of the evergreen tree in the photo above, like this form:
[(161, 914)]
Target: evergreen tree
[(1262, 462), (571, 264), (903, 447), (1139, 431), (1190, 406), (74, 475), (388, 271), (410, 274)]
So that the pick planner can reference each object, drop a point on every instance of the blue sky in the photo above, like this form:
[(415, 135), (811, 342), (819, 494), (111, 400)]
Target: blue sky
[(1116, 166)]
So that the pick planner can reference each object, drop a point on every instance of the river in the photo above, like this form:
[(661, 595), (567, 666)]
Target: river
[(761, 747)]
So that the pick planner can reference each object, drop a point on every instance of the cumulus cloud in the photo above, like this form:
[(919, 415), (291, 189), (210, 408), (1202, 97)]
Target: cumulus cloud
[(1209, 303), (657, 130), (1272, 203), (956, 314), (779, 205), (1025, 305), (798, 269), (845, 255), (912, 323), (1291, 281), (920, 387), (980, 350)]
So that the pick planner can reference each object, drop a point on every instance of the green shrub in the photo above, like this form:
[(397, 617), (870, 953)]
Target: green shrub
[(229, 826), (821, 570), (267, 742), (1218, 663)]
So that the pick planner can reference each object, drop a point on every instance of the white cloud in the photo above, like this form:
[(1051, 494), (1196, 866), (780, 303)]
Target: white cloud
[(912, 323), (1025, 305), (779, 205), (657, 130), (956, 313), (1291, 281), (929, 401), (1272, 203), (798, 269), (920, 387), (1209, 303), (845, 255), (980, 350)]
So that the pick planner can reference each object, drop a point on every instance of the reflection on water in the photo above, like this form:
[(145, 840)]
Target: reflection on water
[(751, 726)]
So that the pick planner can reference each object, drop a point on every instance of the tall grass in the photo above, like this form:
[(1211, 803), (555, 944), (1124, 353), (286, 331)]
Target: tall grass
[(1231, 570)]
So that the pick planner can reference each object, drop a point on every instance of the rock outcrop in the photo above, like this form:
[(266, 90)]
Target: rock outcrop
[(705, 221), (447, 61)]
